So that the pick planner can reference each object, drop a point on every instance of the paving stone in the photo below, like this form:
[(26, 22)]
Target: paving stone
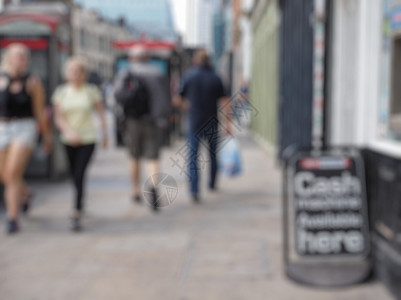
[(230, 247)]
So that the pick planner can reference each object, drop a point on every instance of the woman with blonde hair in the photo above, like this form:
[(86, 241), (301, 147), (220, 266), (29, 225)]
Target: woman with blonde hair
[(74, 103), (22, 109)]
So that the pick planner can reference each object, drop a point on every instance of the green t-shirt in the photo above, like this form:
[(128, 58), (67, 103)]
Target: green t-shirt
[(77, 107)]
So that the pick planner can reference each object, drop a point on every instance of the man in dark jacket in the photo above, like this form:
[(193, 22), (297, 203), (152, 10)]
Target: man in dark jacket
[(201, 91)]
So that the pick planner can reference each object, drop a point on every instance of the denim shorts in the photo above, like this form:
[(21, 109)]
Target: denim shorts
[(21, 131)]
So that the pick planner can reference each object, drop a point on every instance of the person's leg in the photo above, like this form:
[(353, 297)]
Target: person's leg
[(213, 142), (136, 177), (27, 191), (193, 164), (15, 164), (3, 154), (72, 157), (153, 140), (152, 143), (83, 157), (133, 140), (153, 169), (27, 196)]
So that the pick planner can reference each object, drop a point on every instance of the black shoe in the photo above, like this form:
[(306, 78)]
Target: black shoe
[(213, 189), (196, 199), (137, 199), (26, 206), (155, 204), (12, 227), (76, 224)]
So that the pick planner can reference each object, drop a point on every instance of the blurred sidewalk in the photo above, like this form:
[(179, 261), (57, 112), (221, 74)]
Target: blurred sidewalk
[(227, 248)]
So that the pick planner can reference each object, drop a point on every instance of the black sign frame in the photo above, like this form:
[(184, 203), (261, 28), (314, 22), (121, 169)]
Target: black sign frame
[(298, 263)]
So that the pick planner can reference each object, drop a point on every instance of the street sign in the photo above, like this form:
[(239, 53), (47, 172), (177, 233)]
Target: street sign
[(326, 221)]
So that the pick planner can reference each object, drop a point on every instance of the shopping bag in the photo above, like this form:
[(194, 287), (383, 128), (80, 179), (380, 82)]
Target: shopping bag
[(230, 159)]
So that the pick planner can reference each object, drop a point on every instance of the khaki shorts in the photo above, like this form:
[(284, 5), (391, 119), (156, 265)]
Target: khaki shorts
[(143, 139), (21, 131)]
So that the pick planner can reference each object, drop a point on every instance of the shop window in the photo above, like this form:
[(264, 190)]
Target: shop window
[(395, 101), (390, 90)]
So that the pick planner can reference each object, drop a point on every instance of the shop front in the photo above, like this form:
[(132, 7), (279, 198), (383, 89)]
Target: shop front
[(365, 111)]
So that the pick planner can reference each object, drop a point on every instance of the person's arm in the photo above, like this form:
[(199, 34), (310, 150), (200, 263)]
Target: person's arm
[(179, 100), (225, 102), (64, 127), (100, 110), (61, 122), (227, 111), (118, 84), (98, 106), (39, 110)]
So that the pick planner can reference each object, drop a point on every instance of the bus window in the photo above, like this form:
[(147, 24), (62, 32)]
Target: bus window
[(122, 64), (160, 64)]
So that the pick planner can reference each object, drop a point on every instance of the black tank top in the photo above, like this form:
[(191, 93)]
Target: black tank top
[(15, 105)]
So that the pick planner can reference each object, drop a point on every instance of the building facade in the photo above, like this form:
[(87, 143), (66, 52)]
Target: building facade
[(222, 29), (358, 97), (218, 33), (93, 39), (264, 76), (150, 13), (223, 47), (92, 35), (365, 112), (236, 45), (199, 24), (242, 43), (246, 39), (152, 19)]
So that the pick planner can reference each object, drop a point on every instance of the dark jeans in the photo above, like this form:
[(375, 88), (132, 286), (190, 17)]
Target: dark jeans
[(194, 139), (79, 158)]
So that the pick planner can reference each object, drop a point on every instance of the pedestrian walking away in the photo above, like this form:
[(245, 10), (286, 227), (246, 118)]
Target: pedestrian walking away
[(22, 110), (74, 104), (200, 93), (143, 92)]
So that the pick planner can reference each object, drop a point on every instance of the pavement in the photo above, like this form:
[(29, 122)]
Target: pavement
[(229, 247)]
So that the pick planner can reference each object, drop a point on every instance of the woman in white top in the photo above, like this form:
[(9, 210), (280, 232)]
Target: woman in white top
[(75, 102)]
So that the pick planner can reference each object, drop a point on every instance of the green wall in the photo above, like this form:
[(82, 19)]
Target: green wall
[(264, 83)]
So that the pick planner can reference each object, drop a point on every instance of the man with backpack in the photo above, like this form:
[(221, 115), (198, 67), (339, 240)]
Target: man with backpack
[(143, 92)]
